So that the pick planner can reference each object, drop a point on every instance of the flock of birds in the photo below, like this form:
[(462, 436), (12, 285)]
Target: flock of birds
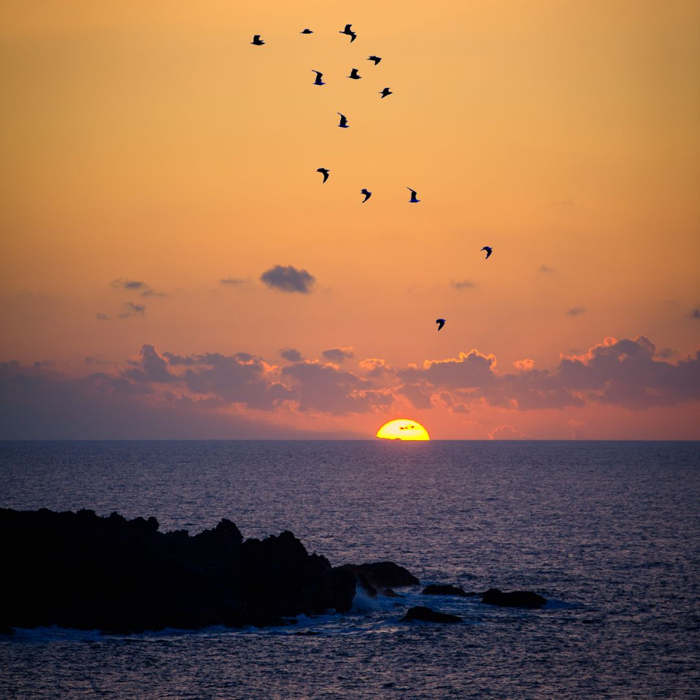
[(343, 124)]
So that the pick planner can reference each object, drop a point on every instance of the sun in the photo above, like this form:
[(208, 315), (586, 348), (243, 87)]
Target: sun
[(403, 429)]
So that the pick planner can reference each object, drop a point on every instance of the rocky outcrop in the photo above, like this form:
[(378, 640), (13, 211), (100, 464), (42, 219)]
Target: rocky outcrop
[(84, 571), (423, 614), (444, 589), (380, 576), (513, 599)]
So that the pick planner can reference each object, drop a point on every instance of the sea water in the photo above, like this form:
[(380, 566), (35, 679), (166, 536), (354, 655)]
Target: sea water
[(608, 532)]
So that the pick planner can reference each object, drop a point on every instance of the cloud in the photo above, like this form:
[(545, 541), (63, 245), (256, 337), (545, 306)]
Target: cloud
[(326, 389), (232, 281), (136, 286), (288, 279), (616, 372), (131, 309), (419, 395), (464, 284), (164, 394), (695, 313), (470, 369), (338, 354), (174, 359), (152, 367), (375, 367), (103, 317), (575, 311), (131, 285), (38, 404), (545, 270), (240, 378), (291, 355)]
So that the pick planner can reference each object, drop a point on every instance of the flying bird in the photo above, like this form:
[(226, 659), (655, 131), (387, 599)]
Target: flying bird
[(374, 59), (319, 77), (354, 74), (349, 32), (386, 92), (306, 31), (488, 250), (257, 41), (440, 323), (324, 172), (343, 121), (366, 193), (413, 199)]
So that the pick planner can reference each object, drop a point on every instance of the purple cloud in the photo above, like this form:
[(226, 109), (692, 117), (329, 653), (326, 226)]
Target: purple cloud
[(326, 389), (291, 355), (338, 354), (288, 279), (618, 372)]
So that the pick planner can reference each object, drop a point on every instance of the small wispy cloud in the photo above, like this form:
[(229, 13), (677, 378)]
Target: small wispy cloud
[(288, 279), (131, 309), (142, 288), (545, 269), (576, 311), (695, 313), (131, 285), (102, 317), (464, 284), (232, 281)]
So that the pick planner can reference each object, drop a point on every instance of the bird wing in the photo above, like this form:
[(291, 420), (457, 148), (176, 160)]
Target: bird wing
[(353, 36)]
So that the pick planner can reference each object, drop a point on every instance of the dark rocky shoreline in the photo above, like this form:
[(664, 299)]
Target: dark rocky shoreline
[(84, 571)]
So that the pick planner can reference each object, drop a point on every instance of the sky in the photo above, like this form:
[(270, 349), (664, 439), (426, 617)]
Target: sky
[(173, 265)]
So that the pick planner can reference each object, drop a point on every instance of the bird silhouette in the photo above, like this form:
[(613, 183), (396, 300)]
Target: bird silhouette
[(324, 172), (386, 92), (349, 32), (306, 31), (343, 121), (257, 41), (319, 77), (374, 59), (440, 323), (354, 74), (366, 193), (488, 250), (414, 199)]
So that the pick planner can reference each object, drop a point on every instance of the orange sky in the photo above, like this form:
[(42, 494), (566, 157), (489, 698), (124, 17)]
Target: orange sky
[(157, 145)]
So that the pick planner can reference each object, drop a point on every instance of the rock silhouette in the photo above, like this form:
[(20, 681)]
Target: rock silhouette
[(380, 576), (84, 571), (420, 612), (513, 599), (444, 589)]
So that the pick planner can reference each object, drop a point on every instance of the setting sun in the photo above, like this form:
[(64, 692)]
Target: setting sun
[(403, 429)]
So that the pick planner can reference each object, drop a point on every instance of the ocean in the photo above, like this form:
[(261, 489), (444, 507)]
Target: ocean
[(608, 532)]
